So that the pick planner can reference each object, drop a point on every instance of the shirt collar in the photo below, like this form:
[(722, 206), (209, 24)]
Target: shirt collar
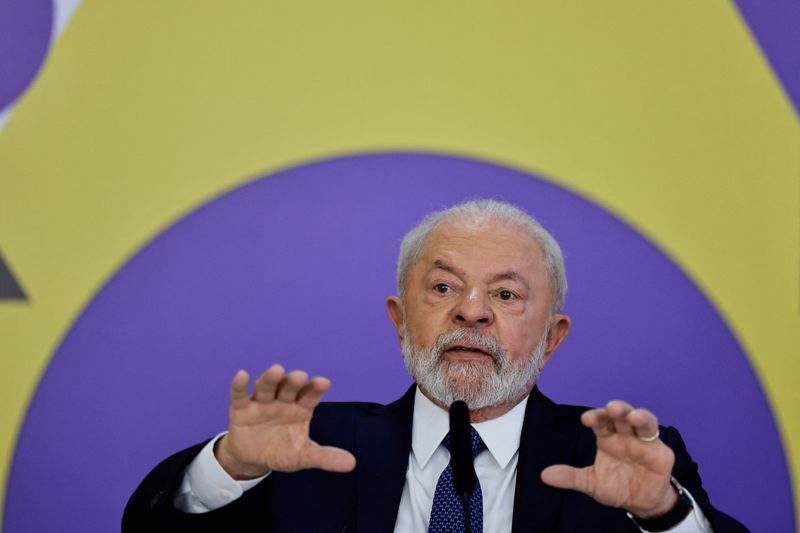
[(431, 423)]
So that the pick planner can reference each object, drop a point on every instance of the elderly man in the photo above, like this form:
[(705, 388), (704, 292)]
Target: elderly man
[(478, 317)]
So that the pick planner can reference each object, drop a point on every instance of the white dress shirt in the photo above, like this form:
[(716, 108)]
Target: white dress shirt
[(496, 467), (206, 485)]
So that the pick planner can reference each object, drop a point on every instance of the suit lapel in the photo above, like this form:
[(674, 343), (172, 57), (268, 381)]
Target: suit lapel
[(547, 438), (383, 443)]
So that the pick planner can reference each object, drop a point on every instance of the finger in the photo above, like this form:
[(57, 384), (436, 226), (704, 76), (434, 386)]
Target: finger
[(569, 477), (266, 385), (643, 422), (331, 459), (290, 385), (311, 393), (618, 411), (599, 422), (239, 395)]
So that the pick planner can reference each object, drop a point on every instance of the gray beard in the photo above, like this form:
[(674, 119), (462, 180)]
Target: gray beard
[(476, 383)]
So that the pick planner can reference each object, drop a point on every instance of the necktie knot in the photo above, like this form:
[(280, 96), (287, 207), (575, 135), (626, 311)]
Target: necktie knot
[(476, 442)]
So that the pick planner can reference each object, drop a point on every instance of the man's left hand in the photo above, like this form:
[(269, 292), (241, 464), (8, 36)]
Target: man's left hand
[(630, 470)]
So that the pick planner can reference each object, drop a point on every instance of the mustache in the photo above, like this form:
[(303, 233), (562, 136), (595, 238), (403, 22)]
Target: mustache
[(473, 338)]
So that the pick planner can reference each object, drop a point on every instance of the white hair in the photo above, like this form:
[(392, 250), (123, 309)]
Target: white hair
[(478, 212)]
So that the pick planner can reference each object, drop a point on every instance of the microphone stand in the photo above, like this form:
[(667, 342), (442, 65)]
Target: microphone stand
[(461, 456), (465, 504)]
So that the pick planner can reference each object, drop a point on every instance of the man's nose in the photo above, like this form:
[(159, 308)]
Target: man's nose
[(473, 310)]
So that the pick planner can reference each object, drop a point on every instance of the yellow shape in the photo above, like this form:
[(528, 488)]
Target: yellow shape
[(664, 112)]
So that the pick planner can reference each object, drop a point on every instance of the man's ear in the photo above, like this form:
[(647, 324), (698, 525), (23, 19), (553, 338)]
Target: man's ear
[(394, 306), (559, 328)]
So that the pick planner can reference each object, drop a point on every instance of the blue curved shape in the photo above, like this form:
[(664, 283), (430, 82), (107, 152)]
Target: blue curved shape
[(294, 268), (25, 30)]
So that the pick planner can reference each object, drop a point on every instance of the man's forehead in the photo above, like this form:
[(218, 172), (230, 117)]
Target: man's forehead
[(508, 274), (503, 250), (501, 235)]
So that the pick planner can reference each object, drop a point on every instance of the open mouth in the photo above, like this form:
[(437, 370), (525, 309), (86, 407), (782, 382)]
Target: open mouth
[(462, 350)]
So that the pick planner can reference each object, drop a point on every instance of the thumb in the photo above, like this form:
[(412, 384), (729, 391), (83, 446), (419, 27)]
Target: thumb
[(331, 459), (568, 477)]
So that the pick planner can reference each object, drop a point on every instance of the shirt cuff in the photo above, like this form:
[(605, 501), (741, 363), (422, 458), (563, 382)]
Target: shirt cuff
[(207, 486), (695, 522)]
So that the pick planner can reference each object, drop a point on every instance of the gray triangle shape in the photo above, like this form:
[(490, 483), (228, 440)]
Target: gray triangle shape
[(10, 289)]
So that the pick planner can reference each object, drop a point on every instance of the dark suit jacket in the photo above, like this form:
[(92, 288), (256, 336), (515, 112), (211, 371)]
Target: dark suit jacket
[(366, 500)]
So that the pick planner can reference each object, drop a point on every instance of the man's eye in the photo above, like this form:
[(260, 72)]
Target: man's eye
[(506, 295), (441, 288)]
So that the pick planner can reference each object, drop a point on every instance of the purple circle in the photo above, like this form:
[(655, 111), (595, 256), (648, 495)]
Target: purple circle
[(295, 267), (25, 28), (774, 26)]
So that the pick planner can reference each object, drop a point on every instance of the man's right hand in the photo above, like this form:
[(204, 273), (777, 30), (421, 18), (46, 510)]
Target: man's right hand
[(269, 429)]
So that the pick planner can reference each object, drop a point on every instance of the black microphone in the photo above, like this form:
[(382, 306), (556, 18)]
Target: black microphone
[(461, 457)]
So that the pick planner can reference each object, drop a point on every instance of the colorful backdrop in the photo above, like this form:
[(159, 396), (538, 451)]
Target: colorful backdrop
[(188, 188)]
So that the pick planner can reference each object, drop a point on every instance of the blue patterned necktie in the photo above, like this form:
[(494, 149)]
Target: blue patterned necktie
[(447, 515)]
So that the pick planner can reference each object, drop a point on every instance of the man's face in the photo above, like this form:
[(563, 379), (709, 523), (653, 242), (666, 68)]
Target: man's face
[(477, 312)]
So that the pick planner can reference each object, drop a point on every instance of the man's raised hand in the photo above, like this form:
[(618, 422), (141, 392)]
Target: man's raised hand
[(631, 469), (269, 430)]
